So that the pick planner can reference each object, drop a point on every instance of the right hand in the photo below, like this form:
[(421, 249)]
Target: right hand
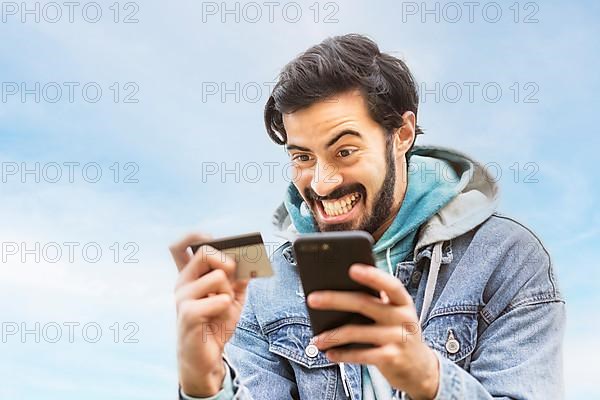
[(209, 303)]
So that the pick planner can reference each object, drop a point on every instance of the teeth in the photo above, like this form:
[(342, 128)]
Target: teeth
[(340, 206)]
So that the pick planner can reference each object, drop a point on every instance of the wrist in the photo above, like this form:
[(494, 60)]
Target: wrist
[(206, 385), (429, 382)]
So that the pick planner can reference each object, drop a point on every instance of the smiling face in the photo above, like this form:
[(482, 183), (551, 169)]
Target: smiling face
[(350, 172)]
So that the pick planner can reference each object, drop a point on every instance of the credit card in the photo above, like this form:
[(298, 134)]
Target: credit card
[(249, 252)]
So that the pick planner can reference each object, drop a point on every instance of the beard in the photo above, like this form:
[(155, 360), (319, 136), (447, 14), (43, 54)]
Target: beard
[(379, 212)]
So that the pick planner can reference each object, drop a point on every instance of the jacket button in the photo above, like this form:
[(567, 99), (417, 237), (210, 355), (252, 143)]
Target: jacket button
[(311, 350), (452, 345), (416, 277)]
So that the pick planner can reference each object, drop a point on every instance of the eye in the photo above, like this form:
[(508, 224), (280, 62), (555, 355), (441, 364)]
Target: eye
[(300, 157), (346, 152)]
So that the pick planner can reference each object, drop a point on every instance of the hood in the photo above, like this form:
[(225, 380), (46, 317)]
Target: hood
[(476, 200)]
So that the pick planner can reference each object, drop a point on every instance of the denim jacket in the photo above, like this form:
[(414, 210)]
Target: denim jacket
[(485, 291)]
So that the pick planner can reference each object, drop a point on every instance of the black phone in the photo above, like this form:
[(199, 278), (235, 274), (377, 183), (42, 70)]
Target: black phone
[(323, 261)]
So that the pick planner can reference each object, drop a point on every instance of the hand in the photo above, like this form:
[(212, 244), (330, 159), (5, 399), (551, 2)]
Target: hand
[(399, 353), (209, 304)]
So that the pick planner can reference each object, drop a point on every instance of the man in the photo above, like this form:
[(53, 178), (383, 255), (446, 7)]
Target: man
[(469, 304)]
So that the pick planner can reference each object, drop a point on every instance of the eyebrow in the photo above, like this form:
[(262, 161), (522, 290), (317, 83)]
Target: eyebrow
[(330, 143)]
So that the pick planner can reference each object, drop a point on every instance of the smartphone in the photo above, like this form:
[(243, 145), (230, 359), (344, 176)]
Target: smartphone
[(249, 253), (323, 261)]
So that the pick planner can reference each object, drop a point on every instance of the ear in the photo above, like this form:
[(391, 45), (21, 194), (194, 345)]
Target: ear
[(405, 135)]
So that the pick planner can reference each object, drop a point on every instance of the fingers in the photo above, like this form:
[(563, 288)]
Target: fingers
[(358, 302), (356, 356), (239, 289), (373, 334), (180, 252), (205, 275), (380, 280), (206, 258), (192, 312), (214, 282)]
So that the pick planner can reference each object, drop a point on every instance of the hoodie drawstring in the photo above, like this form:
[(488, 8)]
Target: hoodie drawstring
[(389, 260), (344, 379), (434, 269)]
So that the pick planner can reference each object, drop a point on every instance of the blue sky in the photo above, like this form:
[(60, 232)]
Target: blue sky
[(178, 132)]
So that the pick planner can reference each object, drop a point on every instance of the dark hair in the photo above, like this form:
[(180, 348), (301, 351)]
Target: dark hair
[(339, 64)]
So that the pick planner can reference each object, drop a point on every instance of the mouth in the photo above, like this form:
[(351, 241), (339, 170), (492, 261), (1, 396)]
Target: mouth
[(339, 210)]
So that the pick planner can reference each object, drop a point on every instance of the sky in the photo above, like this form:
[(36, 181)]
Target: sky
[(125, 125)]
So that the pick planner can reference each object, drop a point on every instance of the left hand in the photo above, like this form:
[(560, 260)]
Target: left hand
[(400, 353)]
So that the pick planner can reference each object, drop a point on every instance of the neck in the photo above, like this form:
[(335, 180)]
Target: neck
[(393, 212), (387, 223)]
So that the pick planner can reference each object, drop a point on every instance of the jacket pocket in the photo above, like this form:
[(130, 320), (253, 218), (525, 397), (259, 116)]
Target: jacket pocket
[(291, 338), (315, 376), (452, 331)]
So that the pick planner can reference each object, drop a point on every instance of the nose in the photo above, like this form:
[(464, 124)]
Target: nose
[(326, 178)]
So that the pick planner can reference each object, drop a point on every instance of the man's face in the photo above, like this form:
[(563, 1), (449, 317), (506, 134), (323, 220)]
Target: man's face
[(348, 170)]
